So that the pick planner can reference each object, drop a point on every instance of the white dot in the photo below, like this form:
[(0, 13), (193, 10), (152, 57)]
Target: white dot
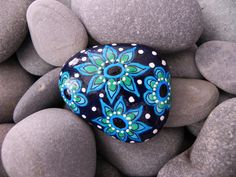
[(84, 116), (101, 95), (155, 131), (146, 140), (147, 116), (152, 65), (154, 53), (99, 50), (133, 44), (162, 118), (114, 44), (98, 126), (132, 142), (83, 90), (76, 75), (60, 73), (82, 51), (131, 99), (140, 51), (163, 62), (95, 46), (139, 82), (94, 109), (120, 49), (84, 59)]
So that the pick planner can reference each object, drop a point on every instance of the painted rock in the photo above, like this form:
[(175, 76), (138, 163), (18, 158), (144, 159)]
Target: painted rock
[(122, 89)]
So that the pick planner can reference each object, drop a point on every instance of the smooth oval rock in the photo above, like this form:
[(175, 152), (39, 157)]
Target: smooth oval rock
[(56, 31), (14, 83), (165, 25), (30, 60), (213, 153), (122, 89), (192, 101), (53, 143), (182, 64), (141, 159), (218, 25), (44, 93), (216, 60), (13, 26), (196, 127)]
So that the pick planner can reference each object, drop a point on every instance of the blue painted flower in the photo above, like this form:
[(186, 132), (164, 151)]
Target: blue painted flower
[(112, 71), (70, 91), (158, 93), (121, 123)]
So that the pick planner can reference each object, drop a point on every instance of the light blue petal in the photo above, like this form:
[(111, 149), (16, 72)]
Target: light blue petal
[(158, 110), (138, 112), (92, 86), (95, 58), (147, 99), (132, 87), (105, 108), (134, 137), (109, 51), (120, 105), (123, 139), (81, 69), (109, 133), (111, 95), (148, 80), (159, 70), (140, 69), (83, 101), (127, 56), (142, 127), (99, 121)]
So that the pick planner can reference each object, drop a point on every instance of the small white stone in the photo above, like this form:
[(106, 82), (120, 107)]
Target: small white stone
[(101, 95), (132, 142), (155, 131), (120, 49), (147, 116), (98, 126), (95, 46), (162, 118), (163, 62), (82, 51), (152, 65), (99, 50), (84, 58), (76, 75), (131, 99), (133, 44), (84, 116), (139, 82), (140, 52), (83, 90), (94, 109), (154, 53), (114, 44)]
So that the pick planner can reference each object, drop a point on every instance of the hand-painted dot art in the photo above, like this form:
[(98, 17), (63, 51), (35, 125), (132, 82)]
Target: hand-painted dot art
[(122, 89)]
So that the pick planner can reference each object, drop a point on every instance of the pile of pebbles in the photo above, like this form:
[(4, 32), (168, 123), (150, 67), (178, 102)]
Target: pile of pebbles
[(39, 137)]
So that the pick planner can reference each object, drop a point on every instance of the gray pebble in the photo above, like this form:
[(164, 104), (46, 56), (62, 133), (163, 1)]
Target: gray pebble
[(192, 101), (56, 31), (141, 159), (31, 61), (182, 64), (13, 26), (44, 93), (50, 143), (213, 153), (14, 83), (219, 18), (166, 25), (216, 61), (196, 127)]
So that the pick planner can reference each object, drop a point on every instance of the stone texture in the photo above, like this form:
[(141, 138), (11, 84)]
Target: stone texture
[(192, 101), (196, 127), (53, 143), (13, 26), (14, 83), (141, 159), (216, 61), (224, 96), (182, 64), (219, 17), (44, 93), (56, 32), (31, 61), (165, 24), (213, 153)]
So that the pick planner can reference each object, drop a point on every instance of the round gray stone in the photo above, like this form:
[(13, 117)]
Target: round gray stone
[(219, 17), (216, 61), (44, 93), (56, 31), (53, 143), (213, 153), (166, 25), (141, 159), (30, 60), (13, 26), (182, 64), (14, 83), (196, 127), (192, 101)]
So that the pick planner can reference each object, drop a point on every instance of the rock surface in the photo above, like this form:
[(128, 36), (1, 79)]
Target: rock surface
[(30, 60), (44, 93), (192, 101), (196, 127), (14, 83), (56, 32), (141, 159), (224, 96), (165, 25), (219, 18), (216, 61), (213, 153), (52, 143)]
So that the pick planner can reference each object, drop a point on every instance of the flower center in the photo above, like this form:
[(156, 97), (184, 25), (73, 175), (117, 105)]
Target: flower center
[(67, 94), (115, 70), (119, 123), (163, 91)]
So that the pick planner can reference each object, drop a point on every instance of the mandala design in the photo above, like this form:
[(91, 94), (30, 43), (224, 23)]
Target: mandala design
[(70, 91), (112, 71), (121, 123), (158, 93)]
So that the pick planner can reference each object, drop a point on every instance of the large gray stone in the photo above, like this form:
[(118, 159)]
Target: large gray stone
[(44, 93), (192, 101), (141, 159), (216, 61), (13, 26), (219, 18), (166, 25), (196, 127), (30, 60), (50, 143), (213, 153), (14, 83), (182, 64), (56, 31)]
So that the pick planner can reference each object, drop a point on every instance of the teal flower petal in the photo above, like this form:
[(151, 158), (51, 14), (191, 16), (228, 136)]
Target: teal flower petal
[(110, 131), (96, 83), (87, 69), (112, 89), (159, 111), (96, 59), (120, 106), (140, 127), (128, 84), (80, 99), (106, 110), (149, 82), (74, 108), (133, 136), (127, 56), (100, 122), (159, 72), (134, 114), (136, 69), (109, 53), (149, 98), (121, 136)]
